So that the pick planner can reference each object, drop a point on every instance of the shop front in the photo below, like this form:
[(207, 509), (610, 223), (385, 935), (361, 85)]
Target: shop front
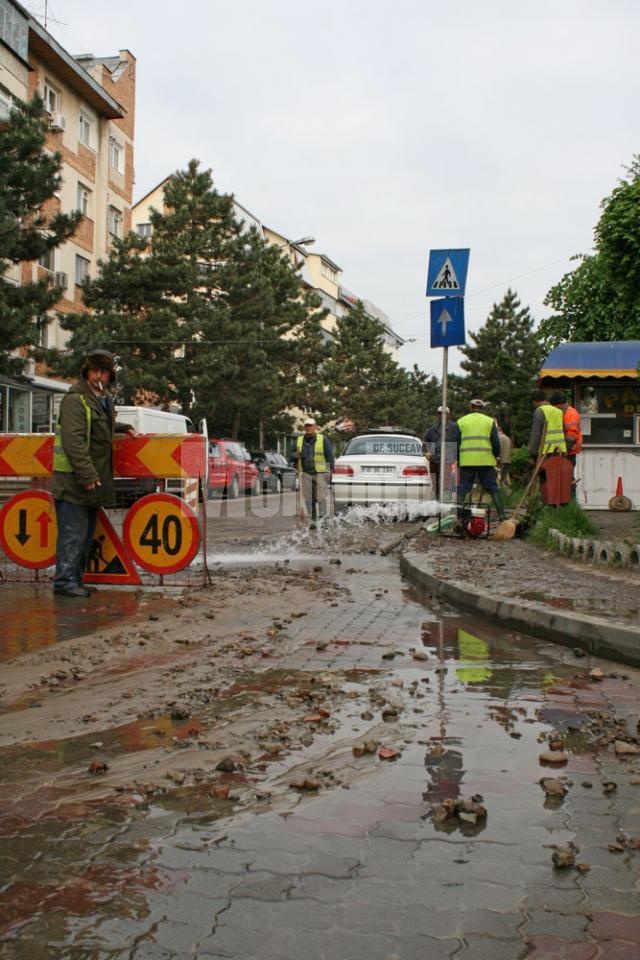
[(30, 404), (601, 380)]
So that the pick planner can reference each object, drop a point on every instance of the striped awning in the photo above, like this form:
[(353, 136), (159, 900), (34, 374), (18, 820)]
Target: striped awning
[(614, 359)]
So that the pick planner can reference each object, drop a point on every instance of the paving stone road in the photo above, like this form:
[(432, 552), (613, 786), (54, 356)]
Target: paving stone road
[(359, 868)]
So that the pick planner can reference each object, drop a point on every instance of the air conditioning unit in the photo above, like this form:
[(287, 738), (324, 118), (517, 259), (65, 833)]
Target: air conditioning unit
[(61, 279), (58, 121)]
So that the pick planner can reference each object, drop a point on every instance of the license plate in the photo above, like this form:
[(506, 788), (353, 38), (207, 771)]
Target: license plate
[(378, 469)]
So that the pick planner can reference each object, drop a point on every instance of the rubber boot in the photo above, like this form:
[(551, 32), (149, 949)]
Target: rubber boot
[(496, 496)]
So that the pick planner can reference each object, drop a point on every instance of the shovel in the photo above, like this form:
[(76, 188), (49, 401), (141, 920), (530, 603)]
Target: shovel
[(506, 530)]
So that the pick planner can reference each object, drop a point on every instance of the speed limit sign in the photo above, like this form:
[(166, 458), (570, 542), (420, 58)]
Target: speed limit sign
[(161, 533)]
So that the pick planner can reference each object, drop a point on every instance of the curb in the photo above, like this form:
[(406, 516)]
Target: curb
[(596, 551), (601, 638)]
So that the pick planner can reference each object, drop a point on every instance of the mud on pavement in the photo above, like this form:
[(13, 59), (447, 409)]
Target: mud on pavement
[(309, 758)]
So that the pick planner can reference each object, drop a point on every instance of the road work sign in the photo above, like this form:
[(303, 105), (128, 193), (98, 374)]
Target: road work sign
[(447, 273), (447, 322), (28, 530), (161, 533), (108, 560)]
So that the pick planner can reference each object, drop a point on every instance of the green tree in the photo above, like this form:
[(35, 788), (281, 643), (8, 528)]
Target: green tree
[(366, 384), (502, 364), (210, 316), (150, 306), (29, 227), (258, 359), (600, 299)]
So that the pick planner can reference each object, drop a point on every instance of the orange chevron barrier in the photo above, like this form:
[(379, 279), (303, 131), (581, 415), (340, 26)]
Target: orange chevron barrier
[(147, 455)]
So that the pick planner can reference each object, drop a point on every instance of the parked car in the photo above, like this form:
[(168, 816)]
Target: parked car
[(231, 470), (148, 420), (381, 468), (276, 472)]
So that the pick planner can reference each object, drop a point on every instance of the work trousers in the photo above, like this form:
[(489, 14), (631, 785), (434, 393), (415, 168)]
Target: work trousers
[(486, 476), (314, 492), (76, 529)]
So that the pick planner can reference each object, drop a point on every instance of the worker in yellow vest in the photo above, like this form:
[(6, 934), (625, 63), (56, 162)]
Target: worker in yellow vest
[(547, 421), (313, 456), (478, 453)]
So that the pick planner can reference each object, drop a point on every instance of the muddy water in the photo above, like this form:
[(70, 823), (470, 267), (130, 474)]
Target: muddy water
[(31, 617), (160, 869)]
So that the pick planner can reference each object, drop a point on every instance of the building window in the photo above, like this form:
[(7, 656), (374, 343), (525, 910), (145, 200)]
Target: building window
[(114, 217), (7, 103), (116, 155), (47, 260), (144, 230), (82, 269), (84, 130), (51, 98), (14, 29), (329, 273), (84, 196), (41, 333)]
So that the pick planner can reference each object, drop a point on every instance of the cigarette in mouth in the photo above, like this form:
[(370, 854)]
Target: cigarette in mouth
[(99, 386)]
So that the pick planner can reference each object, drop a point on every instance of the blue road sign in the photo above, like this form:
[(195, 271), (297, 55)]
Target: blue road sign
[(447, 322), (447, 273)]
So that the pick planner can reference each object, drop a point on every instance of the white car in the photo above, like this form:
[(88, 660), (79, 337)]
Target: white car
[(381, 468)]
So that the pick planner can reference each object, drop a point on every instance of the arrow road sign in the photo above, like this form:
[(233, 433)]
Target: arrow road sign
[(447, 322), (447, 273), (28, 529)]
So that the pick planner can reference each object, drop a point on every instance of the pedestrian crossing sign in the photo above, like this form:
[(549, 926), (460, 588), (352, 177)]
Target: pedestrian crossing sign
[(447, 273)]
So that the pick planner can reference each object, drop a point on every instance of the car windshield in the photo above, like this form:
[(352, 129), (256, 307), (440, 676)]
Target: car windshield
[(214, 449), (388, 446)]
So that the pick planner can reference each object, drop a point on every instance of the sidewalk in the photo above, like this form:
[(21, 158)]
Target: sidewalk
[(533, 590)]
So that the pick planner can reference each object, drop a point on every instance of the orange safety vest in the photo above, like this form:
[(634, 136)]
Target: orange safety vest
[(571, 420)]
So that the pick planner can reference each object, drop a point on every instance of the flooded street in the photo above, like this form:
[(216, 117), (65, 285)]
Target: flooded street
[(310, 759)]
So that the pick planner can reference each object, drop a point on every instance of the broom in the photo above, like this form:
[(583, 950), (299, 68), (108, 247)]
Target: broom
[(506, 529)]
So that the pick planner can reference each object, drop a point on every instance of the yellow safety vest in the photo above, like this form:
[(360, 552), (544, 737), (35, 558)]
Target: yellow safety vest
[(475, 441), (61, 461), (554, 437), (319, 461)]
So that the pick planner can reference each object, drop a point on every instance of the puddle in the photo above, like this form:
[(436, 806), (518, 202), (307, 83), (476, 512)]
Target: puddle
[(33, 618)]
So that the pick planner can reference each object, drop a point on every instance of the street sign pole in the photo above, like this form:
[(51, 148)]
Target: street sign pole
[(447, 280), (443, 433)]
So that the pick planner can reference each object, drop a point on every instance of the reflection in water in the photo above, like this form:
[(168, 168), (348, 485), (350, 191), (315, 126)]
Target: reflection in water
[(32, 617)]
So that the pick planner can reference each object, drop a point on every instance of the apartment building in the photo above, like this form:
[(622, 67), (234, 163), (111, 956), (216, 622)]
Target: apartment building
[(91, 107), (317, 270)]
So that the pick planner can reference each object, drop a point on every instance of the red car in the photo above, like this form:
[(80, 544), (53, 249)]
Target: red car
[(231, 470)]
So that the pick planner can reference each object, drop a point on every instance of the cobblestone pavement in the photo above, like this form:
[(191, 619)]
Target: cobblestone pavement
[(355, 865)]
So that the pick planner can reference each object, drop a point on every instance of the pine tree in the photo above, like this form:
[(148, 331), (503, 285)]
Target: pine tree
[(367, 385), (30, 226), (210, 316), (502, 366)]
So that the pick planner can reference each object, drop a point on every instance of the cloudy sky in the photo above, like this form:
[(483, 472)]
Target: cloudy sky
[(386, 129)]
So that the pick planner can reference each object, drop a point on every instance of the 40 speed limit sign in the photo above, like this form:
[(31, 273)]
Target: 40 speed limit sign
[(161, 533)]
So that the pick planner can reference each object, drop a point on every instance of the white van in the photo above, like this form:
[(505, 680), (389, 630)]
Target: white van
[(149, 420), (153, 420)]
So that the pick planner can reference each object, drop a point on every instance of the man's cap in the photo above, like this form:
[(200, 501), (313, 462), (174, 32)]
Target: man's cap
[(309, 422), (99, 359), (446, 410), (556, 397), (477, 403)]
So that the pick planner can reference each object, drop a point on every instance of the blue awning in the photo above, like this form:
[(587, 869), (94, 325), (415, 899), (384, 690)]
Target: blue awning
[(617, 358)]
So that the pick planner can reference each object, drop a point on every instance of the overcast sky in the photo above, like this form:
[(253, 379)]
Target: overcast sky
[(386, 129)]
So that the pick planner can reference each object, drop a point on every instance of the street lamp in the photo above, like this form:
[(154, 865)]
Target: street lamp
[(303, 242)]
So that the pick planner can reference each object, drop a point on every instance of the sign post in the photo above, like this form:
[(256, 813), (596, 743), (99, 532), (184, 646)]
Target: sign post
[(447, 279)]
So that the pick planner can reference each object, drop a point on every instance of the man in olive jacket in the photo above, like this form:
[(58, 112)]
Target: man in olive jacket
[(82, 468)]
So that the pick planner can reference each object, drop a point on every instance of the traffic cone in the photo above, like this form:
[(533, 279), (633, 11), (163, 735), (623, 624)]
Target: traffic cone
[(619, 491)]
